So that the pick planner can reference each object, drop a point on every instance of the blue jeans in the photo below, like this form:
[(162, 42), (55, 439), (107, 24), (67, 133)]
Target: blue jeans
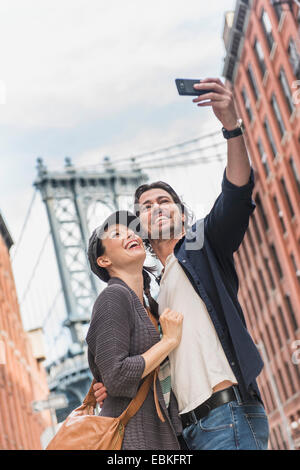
[(236, 425)]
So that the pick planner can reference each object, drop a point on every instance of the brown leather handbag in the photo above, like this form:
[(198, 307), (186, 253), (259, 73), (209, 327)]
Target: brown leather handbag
[(83, 430)]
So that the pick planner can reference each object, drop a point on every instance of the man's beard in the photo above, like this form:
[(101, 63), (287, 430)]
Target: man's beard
[(172, 231)]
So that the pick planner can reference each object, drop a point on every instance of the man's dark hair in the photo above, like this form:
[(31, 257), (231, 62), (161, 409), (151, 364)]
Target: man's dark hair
[(166, 187)]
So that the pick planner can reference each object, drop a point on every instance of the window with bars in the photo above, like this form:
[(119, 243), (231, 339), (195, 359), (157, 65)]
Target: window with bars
[(278, 115), (270, 137), (286, 89), (252, 82), (247, 104), (267, 28), (263, 156), (259, 56)]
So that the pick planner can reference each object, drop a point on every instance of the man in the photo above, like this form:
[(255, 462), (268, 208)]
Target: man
[(214, 370)]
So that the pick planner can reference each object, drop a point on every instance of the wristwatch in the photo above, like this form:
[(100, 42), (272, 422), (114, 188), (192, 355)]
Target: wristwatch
[(239, 130)]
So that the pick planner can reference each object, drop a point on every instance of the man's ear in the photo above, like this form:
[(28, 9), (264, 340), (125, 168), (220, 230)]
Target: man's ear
[(103, 262)]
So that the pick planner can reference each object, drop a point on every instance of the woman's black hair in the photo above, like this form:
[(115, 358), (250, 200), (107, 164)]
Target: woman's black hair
[(147, 270)]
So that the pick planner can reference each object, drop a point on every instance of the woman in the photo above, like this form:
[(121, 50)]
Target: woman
[(124, 345)]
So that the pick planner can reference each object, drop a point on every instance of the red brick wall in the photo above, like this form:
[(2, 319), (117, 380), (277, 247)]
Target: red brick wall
[(22, 379), (262, 308)]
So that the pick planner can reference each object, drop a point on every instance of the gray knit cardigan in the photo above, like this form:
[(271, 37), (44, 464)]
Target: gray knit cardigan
[(119, 332)]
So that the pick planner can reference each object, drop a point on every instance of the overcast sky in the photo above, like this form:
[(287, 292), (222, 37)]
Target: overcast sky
[(93, 78)]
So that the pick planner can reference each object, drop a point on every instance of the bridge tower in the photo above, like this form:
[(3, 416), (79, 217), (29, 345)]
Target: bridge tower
[(77, 201)]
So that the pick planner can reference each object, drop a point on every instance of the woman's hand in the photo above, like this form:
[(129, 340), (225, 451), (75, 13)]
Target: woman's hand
[(171, 324), (100, 393)]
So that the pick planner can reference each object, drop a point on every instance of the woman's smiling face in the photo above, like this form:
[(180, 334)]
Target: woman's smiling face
[(122, 248)]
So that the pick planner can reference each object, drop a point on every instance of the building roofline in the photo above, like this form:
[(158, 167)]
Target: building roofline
[(5, 233), (236, 36)]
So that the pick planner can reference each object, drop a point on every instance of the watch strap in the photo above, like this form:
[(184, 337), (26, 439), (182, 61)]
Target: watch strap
[(233, 133)]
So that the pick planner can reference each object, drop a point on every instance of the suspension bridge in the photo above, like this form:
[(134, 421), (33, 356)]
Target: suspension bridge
[(50, 254)]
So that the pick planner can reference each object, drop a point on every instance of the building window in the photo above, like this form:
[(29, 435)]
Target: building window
[(262, 280), (241, 263), (286, 89), (282, 381), (271, 395), (261, 212), (267, 28), (294, 58), (252, 304), (252, 82), (277, 8), (263, 156), (287, 197), (291, 311), (267, 266), (270, 136), (260, 56), (285, 447), (276, 261), (251, 240), (246, 254), (295, 173), (270, 340), (257, 295), (297, 271), (278, 116), (247, 104), (256, 230), (276, 331), (280, 214), (283, 323), (288, 373)]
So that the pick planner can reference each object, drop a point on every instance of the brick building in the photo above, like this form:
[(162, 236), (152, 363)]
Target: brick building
[(22, 376), (263, 65)]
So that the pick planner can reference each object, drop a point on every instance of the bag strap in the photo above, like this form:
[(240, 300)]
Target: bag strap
[(90, 399), (140, 397)]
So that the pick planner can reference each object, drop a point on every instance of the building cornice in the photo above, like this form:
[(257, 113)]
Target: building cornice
[(5, 233), (235, 38)]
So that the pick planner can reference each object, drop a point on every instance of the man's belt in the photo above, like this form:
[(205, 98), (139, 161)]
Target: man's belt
[(216, 399)]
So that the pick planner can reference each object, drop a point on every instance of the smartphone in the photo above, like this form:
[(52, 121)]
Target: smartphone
[(185, 87)]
